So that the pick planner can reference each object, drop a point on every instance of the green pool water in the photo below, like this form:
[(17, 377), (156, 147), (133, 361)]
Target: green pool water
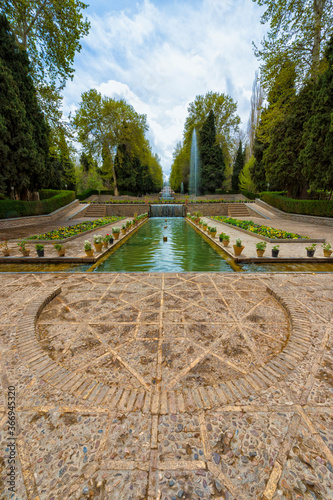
[(184, 251)]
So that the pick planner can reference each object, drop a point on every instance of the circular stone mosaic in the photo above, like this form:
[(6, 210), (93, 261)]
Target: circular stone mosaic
[(183, 334)]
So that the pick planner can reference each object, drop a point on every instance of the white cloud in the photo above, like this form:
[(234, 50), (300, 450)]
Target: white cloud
[(160, 58)]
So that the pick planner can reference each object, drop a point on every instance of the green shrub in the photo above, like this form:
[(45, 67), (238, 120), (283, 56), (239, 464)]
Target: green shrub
[(90, 192), (249, 195), (321, 208), (16, 208), (45, 194)]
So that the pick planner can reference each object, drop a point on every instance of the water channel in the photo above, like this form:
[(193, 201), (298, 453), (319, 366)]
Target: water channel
[(184, 251)]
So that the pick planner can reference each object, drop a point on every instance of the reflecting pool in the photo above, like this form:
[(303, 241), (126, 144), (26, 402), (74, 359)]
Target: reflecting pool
[(184, 251)]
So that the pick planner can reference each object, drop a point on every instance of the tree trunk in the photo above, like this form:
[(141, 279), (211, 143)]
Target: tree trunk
[(318, 9)]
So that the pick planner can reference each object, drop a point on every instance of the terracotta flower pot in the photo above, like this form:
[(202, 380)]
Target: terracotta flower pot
[(225, 243), (123, 231), (61, 253), (25, 253), (116, 236), (260, 253), (213, 233), (98, 247), (238, 250), (105, 244), (6, 253), (327, 253), (89, 253)]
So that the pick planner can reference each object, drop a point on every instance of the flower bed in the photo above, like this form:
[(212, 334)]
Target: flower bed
[(268, 232), (69, 231)]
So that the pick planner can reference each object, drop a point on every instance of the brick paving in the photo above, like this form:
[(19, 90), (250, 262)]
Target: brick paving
[(167, 386)]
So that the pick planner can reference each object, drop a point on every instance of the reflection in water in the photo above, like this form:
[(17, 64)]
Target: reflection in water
[(185, 250)]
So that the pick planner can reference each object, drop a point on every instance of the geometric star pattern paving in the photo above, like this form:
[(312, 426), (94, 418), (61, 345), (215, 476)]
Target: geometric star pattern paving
[(166, 386)]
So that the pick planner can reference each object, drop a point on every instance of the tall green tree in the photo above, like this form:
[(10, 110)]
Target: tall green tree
[(226, 120), (211, 156), (238, 167), (24, 132), (180, 169), (299, 30), (317, 153), (112, 131), (50, 32)]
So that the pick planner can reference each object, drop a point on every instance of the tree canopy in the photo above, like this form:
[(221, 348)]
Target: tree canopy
[(114, 133), (50, 32), (298, 32), (226, 124), (23, 130)]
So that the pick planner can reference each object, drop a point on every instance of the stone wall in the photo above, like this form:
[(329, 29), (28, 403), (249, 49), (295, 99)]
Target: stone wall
[(309, 219), (38, 219), (208, 208), (123, 210)]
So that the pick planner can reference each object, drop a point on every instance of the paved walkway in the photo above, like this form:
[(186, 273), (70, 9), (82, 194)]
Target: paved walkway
[(287, 250), (167, 386)]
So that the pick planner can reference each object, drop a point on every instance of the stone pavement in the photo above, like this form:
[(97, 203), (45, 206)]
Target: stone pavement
[(167, 386), (292, 249)]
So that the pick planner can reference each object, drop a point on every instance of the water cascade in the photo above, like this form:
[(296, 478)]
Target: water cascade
[(195, 167), (167, 210)]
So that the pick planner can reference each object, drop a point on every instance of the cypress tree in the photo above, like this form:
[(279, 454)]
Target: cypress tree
[(211, 156), (238, 167), (317, 154), (24, 133)]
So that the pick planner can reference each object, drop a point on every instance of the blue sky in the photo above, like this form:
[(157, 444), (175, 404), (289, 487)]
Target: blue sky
[(159, 54)]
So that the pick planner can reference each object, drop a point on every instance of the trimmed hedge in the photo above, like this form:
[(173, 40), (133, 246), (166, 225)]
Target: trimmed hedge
[(16, 208), (90, 192), (249, 195), (320, 208), (45, 194)]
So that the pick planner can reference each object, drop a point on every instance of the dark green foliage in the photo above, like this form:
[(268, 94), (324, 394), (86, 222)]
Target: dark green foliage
[(250, 196), (13, 208), (23, 130), (322, 208), (284, 169), (317, 153), (133, 175), (211, 156), (238, 167), (257, 171)]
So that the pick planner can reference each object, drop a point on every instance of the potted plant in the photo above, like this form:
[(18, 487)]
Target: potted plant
[(25, 251), (115, 232), (225, 240), (128, 225), (40, 250), (123, 229), (60, 249), (200, 222), (213, 231), (88, 249), (221, 237), (204, 226), (311, 250), (261, 247), (98, 242), (5, 250), (326, 249), (238, 247), (275, 250), (197, 216)]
